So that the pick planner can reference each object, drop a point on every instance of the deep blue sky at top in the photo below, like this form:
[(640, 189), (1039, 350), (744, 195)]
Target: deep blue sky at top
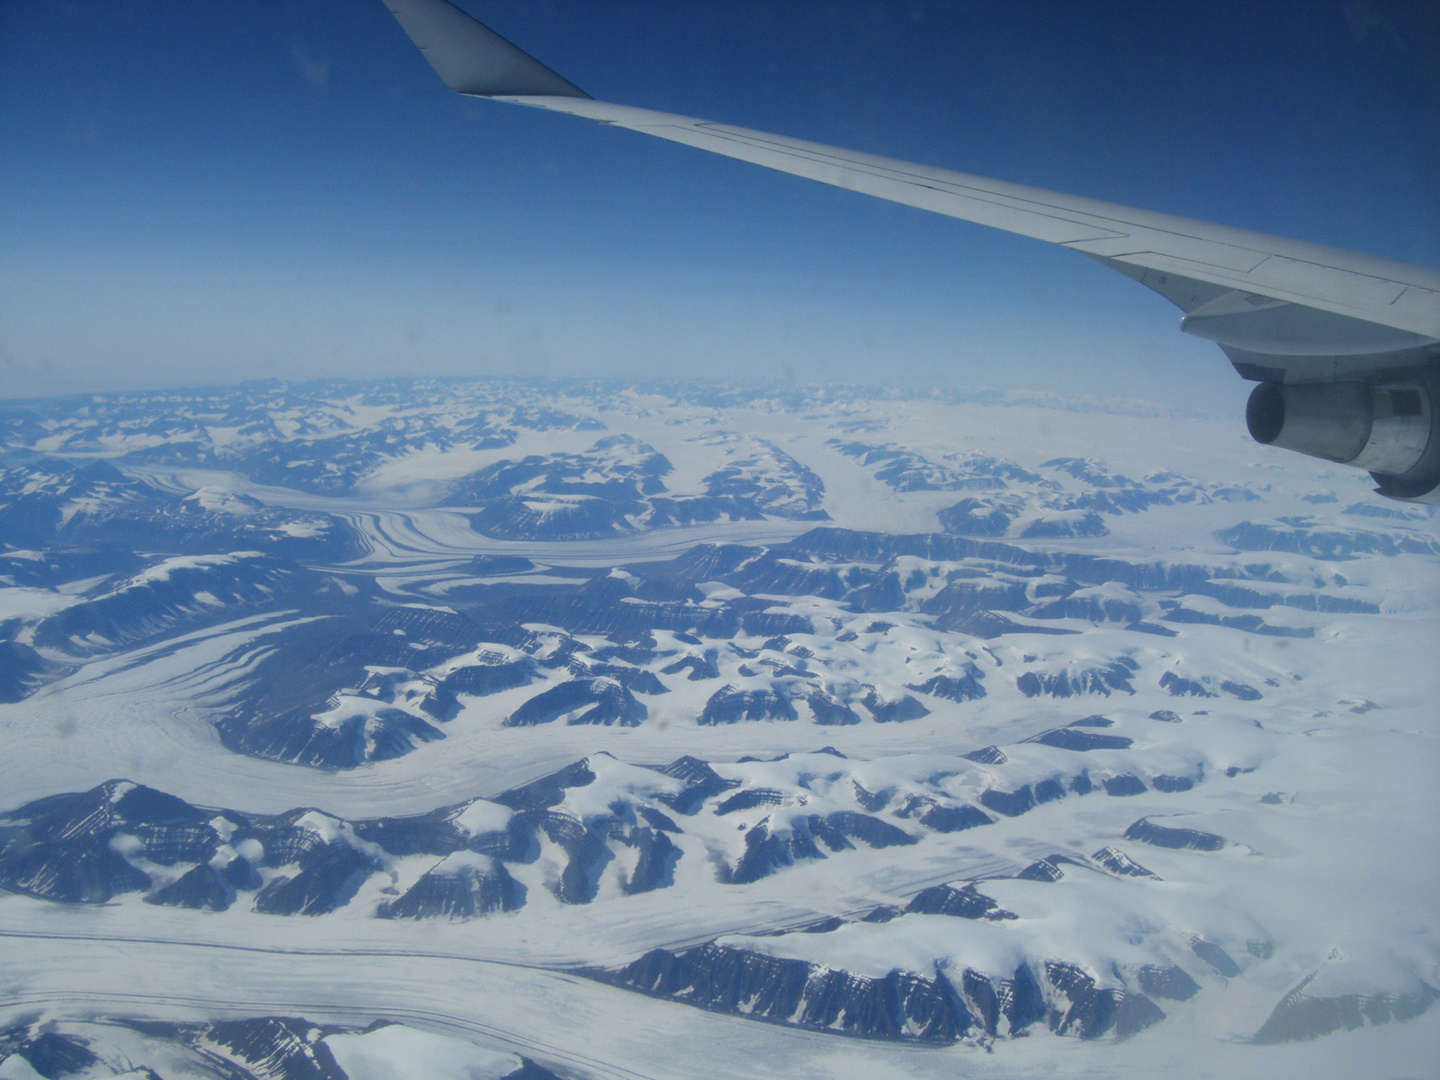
[(208, 192)]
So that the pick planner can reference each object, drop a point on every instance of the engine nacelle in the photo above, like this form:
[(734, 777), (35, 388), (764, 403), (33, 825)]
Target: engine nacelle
[(1388, 428)]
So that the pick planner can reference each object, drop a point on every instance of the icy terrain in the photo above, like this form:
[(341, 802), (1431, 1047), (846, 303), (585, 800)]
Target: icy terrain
[(579, 726)]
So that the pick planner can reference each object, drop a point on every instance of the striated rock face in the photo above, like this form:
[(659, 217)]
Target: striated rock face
[(749, 799), (1172, 784), (587, 852), (1117, 862), (1088, 1011), (1172, 982), (1073, 738), (1004, 1006), (348, 742), (329, 876), (1042, 870), (254, 1048), (874, 831), (1219, 960), (1243, 691), (941, 1008), (1180, 687), (1125, 785), (443, 703), (1309, 538), (965, 903), (699, 667), (278, 1045), (1068, 683), (61, 848), (885, 593), (1091, 608), (587, 701), (905, 708), (655, 869), (20, 670), (47, 1053), (828, 710), (952, 689), (900, 1005), (953, 605), (771, 846), (987, 755), (1009, 803), (971, 517), (729, 705), (318, 700), (200, 887), (91, 846), (549, 790), (161, 600), (1147, 832), (701, 782), (1083, 523), (1300, 1016), (947, 819), (463, 886)]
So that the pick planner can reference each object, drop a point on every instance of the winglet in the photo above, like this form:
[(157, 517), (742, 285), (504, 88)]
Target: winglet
[(471, 58)]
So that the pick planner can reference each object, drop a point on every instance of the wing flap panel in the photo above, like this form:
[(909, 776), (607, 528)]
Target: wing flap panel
[(1194, 250), (1416, 303), (1338, 284)]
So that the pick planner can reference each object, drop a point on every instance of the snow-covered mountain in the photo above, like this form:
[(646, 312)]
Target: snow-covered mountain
[(253, 1048), (914, 719)]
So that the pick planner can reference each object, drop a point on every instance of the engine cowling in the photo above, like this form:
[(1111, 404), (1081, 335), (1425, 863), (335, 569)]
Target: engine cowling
[(1388, 427)]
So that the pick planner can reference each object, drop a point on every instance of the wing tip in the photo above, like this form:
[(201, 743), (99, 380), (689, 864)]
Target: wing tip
[(472, 59)]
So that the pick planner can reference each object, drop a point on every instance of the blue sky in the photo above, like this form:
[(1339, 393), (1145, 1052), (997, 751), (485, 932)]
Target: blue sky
[(195, 193)]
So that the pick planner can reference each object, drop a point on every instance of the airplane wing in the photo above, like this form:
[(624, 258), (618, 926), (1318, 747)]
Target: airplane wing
[(1399, 301), (1285, 311)]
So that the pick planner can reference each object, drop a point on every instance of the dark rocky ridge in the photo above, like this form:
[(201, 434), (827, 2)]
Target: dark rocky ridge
[(56, 505), (1305, 537), (1071, 738), (950, 688), (1115, 675), (464, 891), (771, 846), (272, 714), (730, 705), (1299, 1016), (965, 903), (156, 604), (88, 847), (589, 701), (22, 669), (1147, 832), (902, 1006), (620, 481), (274, 1048)]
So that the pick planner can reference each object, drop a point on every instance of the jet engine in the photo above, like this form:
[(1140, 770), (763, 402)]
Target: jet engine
[(1389, 427)]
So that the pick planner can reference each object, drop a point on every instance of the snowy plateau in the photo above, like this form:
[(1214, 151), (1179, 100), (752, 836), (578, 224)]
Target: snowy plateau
[(585, 729)]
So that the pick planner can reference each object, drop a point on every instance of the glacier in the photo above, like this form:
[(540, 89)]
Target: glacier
[(574, 728)]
